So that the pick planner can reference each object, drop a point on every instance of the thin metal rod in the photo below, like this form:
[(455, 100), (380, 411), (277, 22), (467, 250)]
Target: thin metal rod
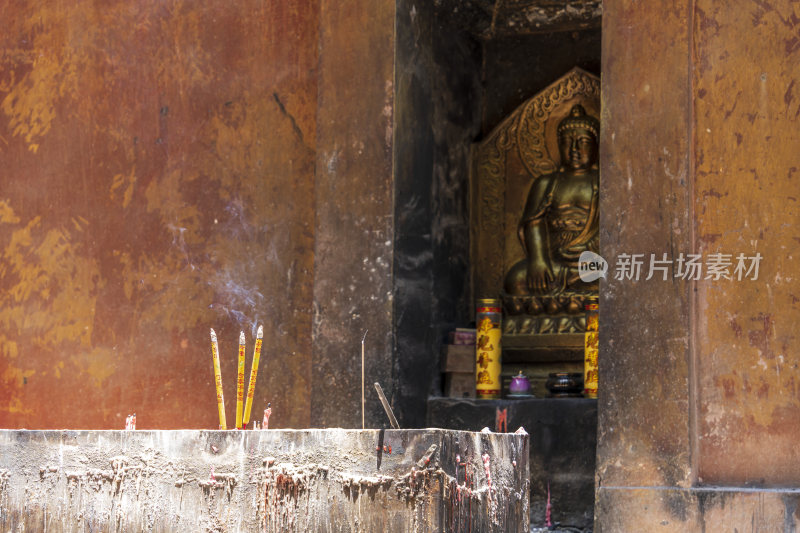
[(386, 406), (363, 425)]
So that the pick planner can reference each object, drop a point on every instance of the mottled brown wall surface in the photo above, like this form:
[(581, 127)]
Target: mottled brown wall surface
[(157, 180), (643, 432), (699, 379), (354, 217), (747, 103)]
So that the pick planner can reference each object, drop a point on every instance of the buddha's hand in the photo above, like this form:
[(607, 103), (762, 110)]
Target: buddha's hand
[(540, 276)]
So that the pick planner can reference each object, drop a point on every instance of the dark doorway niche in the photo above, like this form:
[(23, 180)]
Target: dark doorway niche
[(517, 67), (461, 68)]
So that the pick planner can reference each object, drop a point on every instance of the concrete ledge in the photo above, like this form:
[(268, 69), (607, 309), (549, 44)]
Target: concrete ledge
[(673, 509), (277, 480)]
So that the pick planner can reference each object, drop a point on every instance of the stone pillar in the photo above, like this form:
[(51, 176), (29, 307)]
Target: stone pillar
[(698, 409), (354, 210)]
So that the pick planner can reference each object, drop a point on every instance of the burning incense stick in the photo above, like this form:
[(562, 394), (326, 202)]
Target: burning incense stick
[(251, 387), (548, 509), (363, 426), (218, 380), (267, 412), (240, 382)]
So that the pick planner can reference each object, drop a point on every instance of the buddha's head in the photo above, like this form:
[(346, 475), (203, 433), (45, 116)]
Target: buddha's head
[(577, 139)]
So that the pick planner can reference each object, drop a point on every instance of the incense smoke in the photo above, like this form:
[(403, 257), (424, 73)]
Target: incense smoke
[(237, 302), (236, 273)]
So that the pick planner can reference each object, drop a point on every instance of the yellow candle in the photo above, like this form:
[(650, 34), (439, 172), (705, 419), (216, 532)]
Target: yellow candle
[(488, 350), (240, 382), (218, 380), (251, 387)]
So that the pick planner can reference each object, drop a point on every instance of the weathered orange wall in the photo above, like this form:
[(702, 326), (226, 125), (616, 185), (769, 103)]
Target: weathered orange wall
[(157, 180), (747, 154), (699, 407)]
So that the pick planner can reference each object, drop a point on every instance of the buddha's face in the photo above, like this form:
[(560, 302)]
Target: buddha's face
[(578, 147)]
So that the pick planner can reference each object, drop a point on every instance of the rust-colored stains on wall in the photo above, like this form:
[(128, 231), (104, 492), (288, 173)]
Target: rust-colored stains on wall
[(747, 102), (643, 431), (158, 171)]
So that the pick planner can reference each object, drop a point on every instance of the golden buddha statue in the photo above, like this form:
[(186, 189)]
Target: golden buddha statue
[(560, 220)]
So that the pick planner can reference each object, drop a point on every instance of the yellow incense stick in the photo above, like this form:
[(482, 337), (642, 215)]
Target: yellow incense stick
[(251, 387), (218, 380), (240, 382)]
